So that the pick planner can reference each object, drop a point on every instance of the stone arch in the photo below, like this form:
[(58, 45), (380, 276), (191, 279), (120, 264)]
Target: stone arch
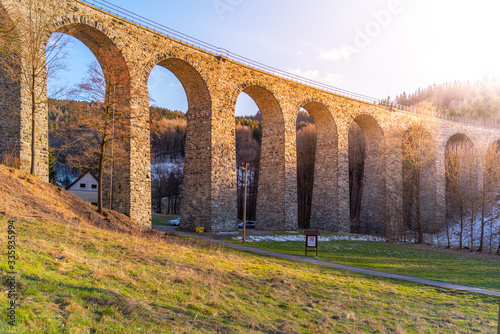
[(324, 207), (192, 79), (196, 206), (268, 105), (102, 47), (110, 58), (372, 215), (419, 180), (458, 140), (271, 185), (95, 37), (458, 137)]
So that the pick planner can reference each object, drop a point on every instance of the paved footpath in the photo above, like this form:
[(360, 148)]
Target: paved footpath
[(439, 284)]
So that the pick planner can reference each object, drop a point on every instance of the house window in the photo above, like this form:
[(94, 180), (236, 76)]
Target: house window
[(94, 203), (94, 186), (82, 185)]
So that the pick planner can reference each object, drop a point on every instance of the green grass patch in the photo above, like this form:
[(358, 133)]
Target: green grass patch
[(75, 279), (162, 220), (436, 264)]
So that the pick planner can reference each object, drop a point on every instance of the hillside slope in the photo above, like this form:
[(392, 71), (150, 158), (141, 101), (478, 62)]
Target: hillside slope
[(80, 273), (24, 197)]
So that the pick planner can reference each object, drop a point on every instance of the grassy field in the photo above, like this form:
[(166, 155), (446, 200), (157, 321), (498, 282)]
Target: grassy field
[(162, 220), (437, 264), (80, 279)]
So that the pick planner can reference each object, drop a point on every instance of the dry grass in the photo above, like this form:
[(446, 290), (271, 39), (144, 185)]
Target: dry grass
[(25, 197), (80, 273), (77, 277)]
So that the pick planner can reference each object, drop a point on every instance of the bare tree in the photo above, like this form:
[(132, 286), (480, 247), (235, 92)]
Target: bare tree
[(247, 151), (455, 203), (174, 188), (105, 121), (460, 166), (159, 179), (419, 154), (488, 192), (471, 165), (411, 156), (30, 56)]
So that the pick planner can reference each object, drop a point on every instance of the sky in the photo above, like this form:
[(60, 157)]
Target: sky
[(377, 48)]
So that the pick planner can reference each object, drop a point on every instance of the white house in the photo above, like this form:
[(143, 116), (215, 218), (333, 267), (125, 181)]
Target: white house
[(85, 187)]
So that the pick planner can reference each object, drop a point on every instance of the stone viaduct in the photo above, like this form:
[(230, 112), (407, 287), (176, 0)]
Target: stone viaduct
[(213, 80)]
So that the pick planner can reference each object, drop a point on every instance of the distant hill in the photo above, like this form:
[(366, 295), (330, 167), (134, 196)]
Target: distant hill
[(479, 100), (168, 128), (167, 113), (61, 110)]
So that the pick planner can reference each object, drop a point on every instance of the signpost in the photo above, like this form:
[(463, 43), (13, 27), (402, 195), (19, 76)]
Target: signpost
[(311, 241)]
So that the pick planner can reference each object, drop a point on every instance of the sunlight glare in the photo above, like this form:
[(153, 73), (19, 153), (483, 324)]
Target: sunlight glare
[(462, 35)]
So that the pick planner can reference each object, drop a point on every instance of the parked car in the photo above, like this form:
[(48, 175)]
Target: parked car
[(175, 222), (249, 224)]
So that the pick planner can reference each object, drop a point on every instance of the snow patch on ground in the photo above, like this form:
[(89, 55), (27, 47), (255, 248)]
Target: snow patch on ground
[(491, 235), (286, 238), (169, 165)]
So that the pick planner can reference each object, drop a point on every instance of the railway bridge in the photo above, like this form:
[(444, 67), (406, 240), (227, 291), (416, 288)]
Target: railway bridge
[(213, 78)]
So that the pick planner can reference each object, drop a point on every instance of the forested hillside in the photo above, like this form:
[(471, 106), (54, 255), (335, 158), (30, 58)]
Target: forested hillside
[(168, 128), (479, 100), (168, 133)]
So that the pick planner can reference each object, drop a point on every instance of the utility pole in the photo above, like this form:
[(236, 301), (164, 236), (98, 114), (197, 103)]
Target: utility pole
[(245, 204)]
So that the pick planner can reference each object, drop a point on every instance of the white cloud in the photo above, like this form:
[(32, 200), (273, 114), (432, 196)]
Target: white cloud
[(330, 78), (333, 79), (311, 74), (335, 54)]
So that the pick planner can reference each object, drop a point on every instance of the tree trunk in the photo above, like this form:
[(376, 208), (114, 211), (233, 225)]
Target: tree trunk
[(461, 226), (418, 215), (33, 124), (472, 220), (447, 230), (99, 179), (159, 199), (481, 238)]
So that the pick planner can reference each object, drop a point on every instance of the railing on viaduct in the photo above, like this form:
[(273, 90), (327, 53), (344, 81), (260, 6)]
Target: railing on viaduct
[(161, 29)]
